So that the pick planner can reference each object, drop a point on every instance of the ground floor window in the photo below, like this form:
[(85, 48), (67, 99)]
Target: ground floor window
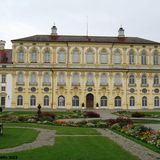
[(75, 101), (20, 100), (144, 101), (33, 101), (156, 101), (117, 101), (46, 100), (132, 101), (61, 101), (103, 101), (3, 101)]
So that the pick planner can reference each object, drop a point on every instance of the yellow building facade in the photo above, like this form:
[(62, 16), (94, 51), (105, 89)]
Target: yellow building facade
[(78, 72)]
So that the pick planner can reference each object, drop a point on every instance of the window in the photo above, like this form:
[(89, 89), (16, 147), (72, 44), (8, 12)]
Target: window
[(3, 101), (3, 89), (33, 57), (143, 58), (132, 101), (75, 79), (33, 100), (61, 101), (46, 57), (46, 100), (61, 79), (156, 101), (20, 78), (21, 57), (76, 56), (3, 78), (144, 79), (33, 79), (103, 57), (131, 79), (103, 101), (20, 100), (156, 80), (103, 80), (117, 58), (117, 101), (90, 79), (144, 101), (90, 58), (131, 57), (61, 57), (75, 101), (46, 78), (155, 58), (117, 79)]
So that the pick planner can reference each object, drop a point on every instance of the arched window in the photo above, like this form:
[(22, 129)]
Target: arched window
[(61, 101), (75, 79), (156, 101), (131, 79), (21, 57), (117, 79), (155, 58), (144, 101), (117, 58), (117, 101), (103, 80), (90, 79), (75, 101), (46, 57), (61, 79), (33, 79), (156, 80), (143, 58), (103, 57), (75, 56), (61, 57), (144, 79), (90, 57), (46, 100), (46, 78), (20, 78), (33, 57), (103, 101), (132, 101), (131, 57), (20, 100), (33, 100)]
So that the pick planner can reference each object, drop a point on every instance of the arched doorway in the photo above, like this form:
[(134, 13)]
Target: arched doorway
[(89, 101)]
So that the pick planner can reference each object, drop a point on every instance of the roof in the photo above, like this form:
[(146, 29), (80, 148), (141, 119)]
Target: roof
[(96, 39), (6, 56)]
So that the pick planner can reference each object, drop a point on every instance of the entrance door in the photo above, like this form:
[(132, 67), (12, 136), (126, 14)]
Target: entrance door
[(3, 101), (89, 101)]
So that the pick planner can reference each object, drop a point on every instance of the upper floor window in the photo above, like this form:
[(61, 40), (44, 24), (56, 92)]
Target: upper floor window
[(117, 79), (155, 58), (33, 79), (156, 80), (144, 79), (90, 79), (90, 57), (103, 80), (46, 57), (61, 78), (103, 57), (46, 78), (131, 57), (3, 78), (117, 57), (143, 58), (131, 79), (20, 78), (75, 56), (61, 56), (33, 57), (21, 57), (75, 79)]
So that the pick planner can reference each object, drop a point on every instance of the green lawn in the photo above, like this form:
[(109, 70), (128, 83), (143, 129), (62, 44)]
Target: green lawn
[(16, 136), (78, 148)]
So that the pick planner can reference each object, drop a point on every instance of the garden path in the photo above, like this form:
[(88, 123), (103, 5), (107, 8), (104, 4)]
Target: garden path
[(153, 126), (136, 149), (44, 138)]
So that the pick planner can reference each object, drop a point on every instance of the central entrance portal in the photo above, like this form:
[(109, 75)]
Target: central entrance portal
[(89, 101)]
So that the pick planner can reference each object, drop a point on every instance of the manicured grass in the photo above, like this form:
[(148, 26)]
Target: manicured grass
[(19, 113), (138, 121), (78, 148), (59, 129), (16, 136)]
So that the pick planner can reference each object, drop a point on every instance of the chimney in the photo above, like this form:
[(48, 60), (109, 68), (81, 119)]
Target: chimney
[(54, 30), (121, 32), (2, 44)]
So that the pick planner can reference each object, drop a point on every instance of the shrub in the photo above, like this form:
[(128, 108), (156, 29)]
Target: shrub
[(137, 114), (123, 121), (46, 116), (110, 122), (101, 124), (91, 114), (90, 124), (1, 109), (116, 126), (22, 118)]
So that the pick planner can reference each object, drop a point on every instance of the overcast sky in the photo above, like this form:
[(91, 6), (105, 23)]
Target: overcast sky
[(21, 18)]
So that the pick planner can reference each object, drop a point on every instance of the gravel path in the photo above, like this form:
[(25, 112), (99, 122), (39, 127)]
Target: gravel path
[(138, 150), (44, 138), (153, 126)]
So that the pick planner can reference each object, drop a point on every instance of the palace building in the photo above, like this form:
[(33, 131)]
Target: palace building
[(75, 72)]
